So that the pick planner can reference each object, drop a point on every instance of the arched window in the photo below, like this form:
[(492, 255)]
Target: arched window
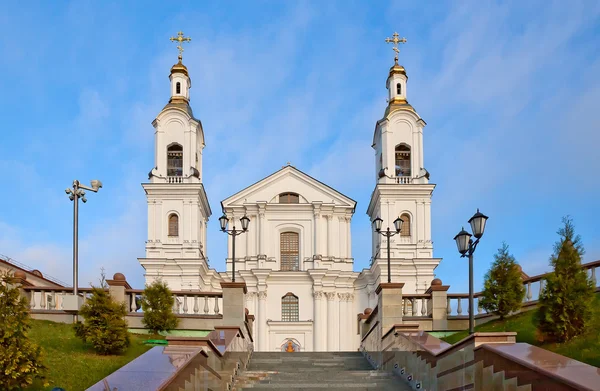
[(289, 308), (175, 160), (289, 249), (405, 231), (173, 225), (399, 89), (178, 88), (289, 198), (403, 160)]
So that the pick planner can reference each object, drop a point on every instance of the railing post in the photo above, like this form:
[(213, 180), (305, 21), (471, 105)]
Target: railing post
[(439, 304), (389, 304), (117, 287), (234, 303)]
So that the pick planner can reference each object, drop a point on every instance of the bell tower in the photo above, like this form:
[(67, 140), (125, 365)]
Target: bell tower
[(402, 188), (178, 208)]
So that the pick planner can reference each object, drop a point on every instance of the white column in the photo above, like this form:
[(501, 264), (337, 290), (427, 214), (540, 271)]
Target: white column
[(261, 233), (343, 324), (204, 241), (317, 321), (331, 329), (262, 321), (349, 238), (330, 235), (350, 318), (317, 216)]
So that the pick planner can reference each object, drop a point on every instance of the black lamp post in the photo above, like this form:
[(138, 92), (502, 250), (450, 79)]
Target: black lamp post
[(223, 220), (388, 234), (466, 248)]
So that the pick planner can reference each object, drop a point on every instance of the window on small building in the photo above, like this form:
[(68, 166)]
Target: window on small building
[(289, 198), (175, 160), (402, 160), (173, 225), (399, 89), (405, 231), (289, 250), (289, 308), (178, 88)]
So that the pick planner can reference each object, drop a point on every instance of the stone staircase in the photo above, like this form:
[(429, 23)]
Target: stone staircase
[(335, 371)]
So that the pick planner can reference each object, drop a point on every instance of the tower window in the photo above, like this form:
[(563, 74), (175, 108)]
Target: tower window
[(289, 198), (405, 231), (173, 225), (289, 308), (178, 88), (289, 250), (399, 89), (403, 160), (175, 160)]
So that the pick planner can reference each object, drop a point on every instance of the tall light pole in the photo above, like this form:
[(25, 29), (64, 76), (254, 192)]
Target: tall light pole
[(223, 220), (388, 234), (466, 248), (78, 191)]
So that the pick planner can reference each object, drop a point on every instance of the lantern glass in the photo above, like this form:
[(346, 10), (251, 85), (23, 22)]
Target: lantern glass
[(462, 241), (377, 224), (245, 221), (398, 224), (223, 220), (478, 224)]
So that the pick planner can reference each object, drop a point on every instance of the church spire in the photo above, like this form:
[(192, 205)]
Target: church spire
[(397, 78), (180, 78)]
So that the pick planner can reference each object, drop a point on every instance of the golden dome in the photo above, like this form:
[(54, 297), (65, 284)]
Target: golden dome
[(179, 68), (397, 69)]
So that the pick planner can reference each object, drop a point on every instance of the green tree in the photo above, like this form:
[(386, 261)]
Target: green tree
[(20, 359), (157, 304), (503, 288), (565, 304), (104, 325)]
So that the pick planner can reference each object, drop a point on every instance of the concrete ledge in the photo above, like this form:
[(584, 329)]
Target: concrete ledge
[(234, 285), (389, 285)]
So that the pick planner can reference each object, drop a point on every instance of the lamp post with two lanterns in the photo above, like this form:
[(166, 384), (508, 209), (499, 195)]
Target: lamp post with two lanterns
[(388, 234), (466, 248), (223, 220)]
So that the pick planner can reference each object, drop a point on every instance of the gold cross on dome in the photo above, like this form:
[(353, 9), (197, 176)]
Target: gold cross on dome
[(180, 39), (395, 41)]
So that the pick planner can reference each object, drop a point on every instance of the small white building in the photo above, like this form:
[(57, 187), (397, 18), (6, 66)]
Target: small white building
[(296, 257)]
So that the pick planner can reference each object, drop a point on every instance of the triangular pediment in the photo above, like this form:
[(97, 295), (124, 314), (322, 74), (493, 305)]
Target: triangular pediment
[(289, 180)]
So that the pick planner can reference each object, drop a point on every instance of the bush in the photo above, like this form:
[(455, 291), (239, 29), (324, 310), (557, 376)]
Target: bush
[(20, 359), (104, 326), (503, 290), (157, 304), (565, 304)]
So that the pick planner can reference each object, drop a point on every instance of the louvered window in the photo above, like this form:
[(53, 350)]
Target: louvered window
[(289, 246), (173, 225), (289, 308), (289, 198)]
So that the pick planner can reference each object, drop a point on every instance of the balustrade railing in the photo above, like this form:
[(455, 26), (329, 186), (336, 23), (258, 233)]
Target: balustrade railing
[(458, 303), (403, 179), (185, 303), (415, 305), (174, 179)]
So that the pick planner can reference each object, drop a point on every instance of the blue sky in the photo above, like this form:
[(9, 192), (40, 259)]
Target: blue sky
[(509, 91)]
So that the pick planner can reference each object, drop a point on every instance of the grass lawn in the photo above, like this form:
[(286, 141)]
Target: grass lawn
[(72, 364), (585, 348)]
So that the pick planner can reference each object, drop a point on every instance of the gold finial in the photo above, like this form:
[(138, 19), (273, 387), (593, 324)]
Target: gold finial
[(395, 41), (180, 40)]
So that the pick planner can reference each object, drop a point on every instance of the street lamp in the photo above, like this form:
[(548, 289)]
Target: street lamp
[(74, 194), (466, 247), (388, 234), (223, 220)]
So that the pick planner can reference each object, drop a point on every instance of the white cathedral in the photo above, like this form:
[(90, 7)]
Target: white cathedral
[(296, 256)]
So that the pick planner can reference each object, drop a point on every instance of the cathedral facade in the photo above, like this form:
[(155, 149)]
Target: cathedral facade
[(296, 256)]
